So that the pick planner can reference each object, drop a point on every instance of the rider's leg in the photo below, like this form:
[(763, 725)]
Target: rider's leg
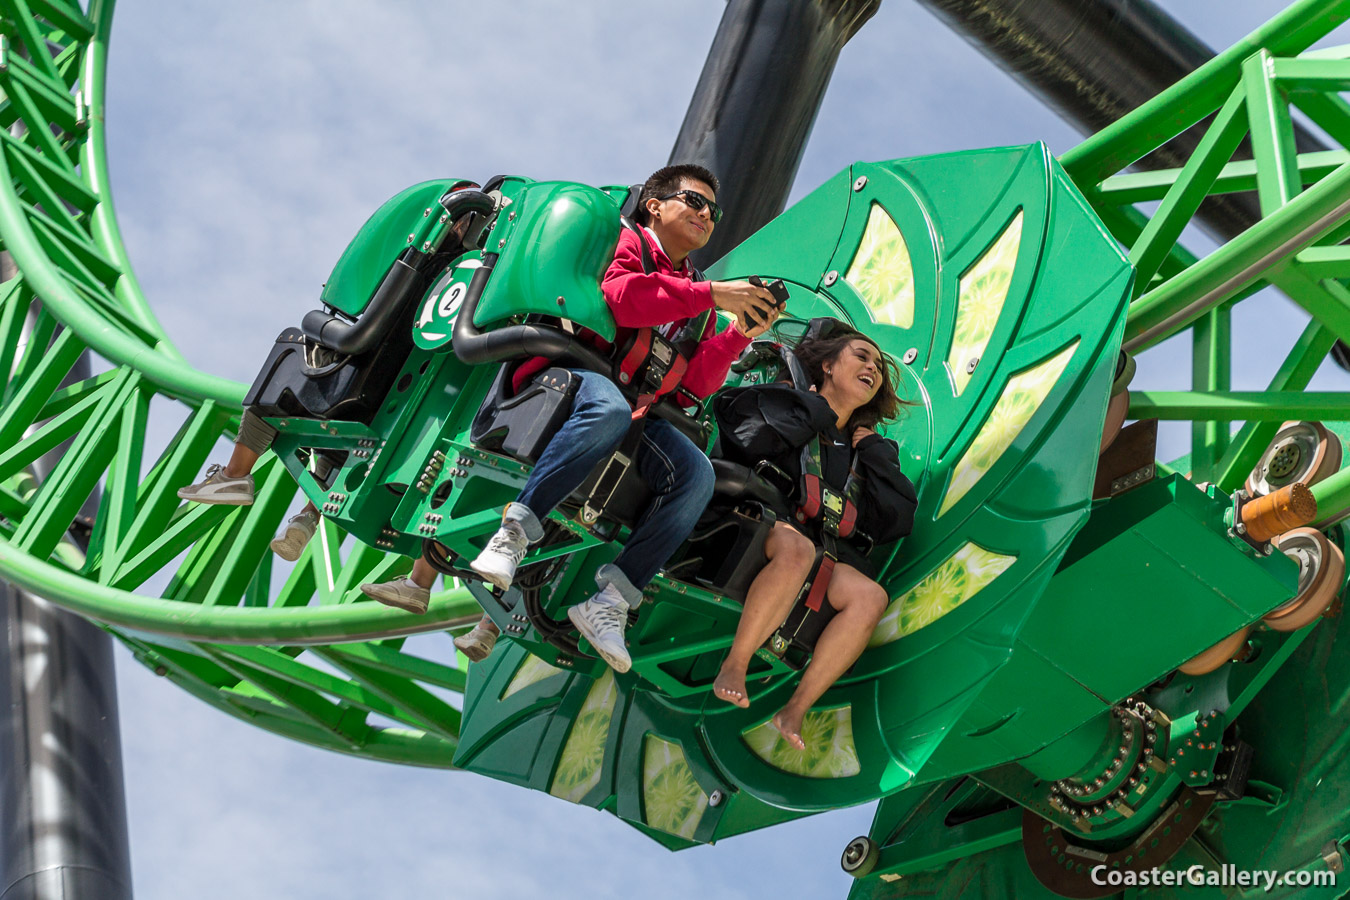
[(477, 644), (681, 480), (860, 602), (599, 420), (411, 594), (232, 483), (768, 602)]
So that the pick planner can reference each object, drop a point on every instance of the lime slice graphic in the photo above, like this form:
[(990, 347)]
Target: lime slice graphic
[(934, 597), (881, 271), (532, 671), (963, 575), (830, 751), (672, 800), (583, 755)]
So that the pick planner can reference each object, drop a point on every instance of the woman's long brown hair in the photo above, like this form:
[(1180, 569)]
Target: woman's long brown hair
[(884, 405)]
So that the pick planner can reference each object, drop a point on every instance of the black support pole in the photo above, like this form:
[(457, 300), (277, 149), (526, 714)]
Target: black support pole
[(1092, 61), (63, 817), (756, 100)]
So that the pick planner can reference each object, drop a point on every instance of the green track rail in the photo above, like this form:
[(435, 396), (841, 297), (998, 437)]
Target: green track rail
[(334, 671)]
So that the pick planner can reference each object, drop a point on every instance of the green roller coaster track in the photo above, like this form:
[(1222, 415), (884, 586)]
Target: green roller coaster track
[(310, 662)]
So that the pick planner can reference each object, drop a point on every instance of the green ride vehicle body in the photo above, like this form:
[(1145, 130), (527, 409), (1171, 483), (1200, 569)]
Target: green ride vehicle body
[(989, 278)]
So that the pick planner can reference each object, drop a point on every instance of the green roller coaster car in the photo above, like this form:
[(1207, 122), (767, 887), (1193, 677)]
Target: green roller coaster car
[(987, 276)]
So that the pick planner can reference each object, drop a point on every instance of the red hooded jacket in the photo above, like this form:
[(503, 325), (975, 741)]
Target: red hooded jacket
[(665, 299)]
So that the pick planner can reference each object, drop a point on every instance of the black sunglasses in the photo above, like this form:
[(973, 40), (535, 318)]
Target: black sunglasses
[(696, 201)]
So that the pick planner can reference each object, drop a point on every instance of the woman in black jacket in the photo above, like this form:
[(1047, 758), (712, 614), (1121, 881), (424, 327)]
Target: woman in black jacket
[(852, 391)]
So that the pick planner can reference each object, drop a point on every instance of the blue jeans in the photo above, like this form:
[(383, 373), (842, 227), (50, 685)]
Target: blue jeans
[(679, 476)]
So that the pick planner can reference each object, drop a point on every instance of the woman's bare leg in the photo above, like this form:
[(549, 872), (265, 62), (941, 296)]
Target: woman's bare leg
[(861, 603), (767, 603)]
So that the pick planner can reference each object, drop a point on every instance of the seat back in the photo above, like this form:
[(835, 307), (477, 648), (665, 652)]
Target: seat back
[(555, 240), (365, 262)]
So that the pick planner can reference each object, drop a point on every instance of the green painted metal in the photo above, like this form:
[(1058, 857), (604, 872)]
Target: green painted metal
[(1159, 561), (1253, 406), (1028, 620), (381, 239), (555, 243), (58, 222), (912, 260)]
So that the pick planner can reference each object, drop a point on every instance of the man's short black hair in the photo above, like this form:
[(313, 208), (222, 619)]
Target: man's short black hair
[(667, 181)]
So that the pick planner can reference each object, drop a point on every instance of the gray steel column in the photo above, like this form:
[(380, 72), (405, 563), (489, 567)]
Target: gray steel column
[(63, 831), (1092, 61), (756, 101)]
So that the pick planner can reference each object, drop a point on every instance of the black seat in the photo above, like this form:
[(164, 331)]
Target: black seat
[(726, 550)]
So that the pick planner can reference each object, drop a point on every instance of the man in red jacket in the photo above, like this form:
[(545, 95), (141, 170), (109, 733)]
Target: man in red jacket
[(678, 212)]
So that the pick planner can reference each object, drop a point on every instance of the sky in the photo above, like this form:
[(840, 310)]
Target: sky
[(247, 143)]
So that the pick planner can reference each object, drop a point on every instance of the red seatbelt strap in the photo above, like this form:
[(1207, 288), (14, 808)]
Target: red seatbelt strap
[(636, 355), (821, 582)]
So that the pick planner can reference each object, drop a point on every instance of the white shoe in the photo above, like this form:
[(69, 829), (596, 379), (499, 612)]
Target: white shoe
[(602, 620), (294, 534), (477, 644), (497, 563), (400, 594), (219, 488)]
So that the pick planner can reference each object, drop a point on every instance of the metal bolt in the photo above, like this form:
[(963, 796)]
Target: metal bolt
[(1240, 528), (410, 238), (860, 182), (970, 366), (910, 355), (830, 278), (715, 798), (501, 243)]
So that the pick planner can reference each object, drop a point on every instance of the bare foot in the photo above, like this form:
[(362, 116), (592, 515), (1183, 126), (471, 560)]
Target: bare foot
[(790, 728), (730, 687)]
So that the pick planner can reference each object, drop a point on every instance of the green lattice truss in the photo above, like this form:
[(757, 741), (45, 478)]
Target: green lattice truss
[(1014, 342)]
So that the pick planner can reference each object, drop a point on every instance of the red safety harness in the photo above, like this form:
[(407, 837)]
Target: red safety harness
[(837, 511), (647, 366), (650, 363)]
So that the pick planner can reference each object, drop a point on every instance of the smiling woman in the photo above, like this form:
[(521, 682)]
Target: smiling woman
[(824, 437)]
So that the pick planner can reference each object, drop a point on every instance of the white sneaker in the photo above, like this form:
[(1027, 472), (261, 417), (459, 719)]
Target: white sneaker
[(219, 488), (294, 534), (497, 563), (477, 644), (400, 594), (602, 620)]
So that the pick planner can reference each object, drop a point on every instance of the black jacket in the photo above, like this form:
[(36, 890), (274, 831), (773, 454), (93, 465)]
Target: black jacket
[(774, 421)]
